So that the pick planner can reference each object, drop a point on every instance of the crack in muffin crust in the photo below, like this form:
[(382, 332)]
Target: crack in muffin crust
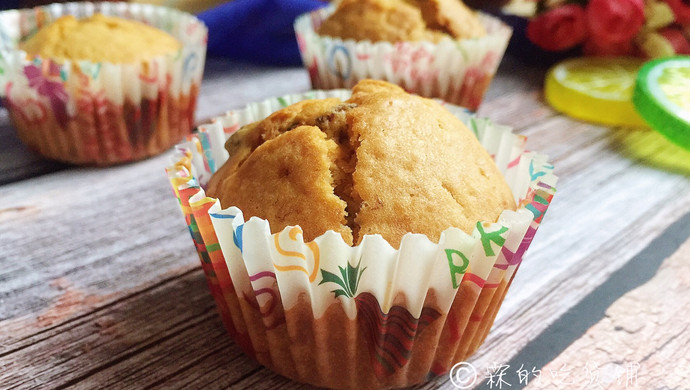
[(336, 127)]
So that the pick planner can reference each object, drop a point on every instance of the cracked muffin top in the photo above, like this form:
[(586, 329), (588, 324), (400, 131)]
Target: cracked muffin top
[(402, 20), (382, 162)]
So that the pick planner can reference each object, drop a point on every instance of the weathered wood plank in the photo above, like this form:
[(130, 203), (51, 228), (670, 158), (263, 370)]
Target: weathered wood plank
[(641, 343), (228, 85), (518, 109), (217, 370), (89, 224), (514, 97), (106, 233), (176, 319)]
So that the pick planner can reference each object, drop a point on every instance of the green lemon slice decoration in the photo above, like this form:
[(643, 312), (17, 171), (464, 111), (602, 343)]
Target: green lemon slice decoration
[(662, 97), (595, 89)]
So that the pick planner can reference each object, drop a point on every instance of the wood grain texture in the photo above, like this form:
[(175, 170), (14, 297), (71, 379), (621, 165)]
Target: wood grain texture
[(228, 85), (100, 285), (641, 343), (102, 232)]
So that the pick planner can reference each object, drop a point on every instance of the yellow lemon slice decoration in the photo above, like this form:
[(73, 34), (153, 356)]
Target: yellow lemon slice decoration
[(595, 89)]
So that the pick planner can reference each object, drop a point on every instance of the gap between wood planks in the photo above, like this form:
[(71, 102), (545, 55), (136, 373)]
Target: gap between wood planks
[(189, 324), (642, 341), (18, 162), (122, 341), (590, 310)]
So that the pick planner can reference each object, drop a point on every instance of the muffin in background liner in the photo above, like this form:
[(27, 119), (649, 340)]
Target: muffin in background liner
[(101, 113), (368, 316), (456, 71)]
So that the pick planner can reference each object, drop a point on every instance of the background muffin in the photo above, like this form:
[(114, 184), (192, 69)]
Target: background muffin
[(323, 311), (102, 89), (402, 20), (435, 48), (99, 38)]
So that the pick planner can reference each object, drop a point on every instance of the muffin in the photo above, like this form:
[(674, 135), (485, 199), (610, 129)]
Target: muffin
[(382, 162), (359, 240), (402, 20), (99, 38), (434, 48), (101, 83)]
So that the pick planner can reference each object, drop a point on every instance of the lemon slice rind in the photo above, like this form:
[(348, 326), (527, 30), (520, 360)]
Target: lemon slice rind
[(665, 105)]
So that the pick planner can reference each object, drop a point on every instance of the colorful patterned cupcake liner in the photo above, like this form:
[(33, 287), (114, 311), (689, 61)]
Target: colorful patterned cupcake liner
[(101, 113), (368, 316), (457, 71)]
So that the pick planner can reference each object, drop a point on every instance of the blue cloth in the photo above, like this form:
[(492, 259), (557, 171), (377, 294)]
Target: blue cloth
[(256, 30), (251, 30), (9, 4)]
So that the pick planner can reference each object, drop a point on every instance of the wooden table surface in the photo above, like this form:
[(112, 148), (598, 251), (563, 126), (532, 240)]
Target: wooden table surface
[(100, 285)]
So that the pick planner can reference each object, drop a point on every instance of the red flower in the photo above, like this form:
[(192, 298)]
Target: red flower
[(559, 28), (681, 8), (615, 21)]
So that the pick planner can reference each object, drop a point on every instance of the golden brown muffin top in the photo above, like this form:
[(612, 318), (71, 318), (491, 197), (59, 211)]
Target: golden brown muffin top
[(402, 20), (100, 38), (383, 162)]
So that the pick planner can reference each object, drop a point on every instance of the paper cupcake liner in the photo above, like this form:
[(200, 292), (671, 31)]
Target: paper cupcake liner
[(368, 316), (101, 113), (457, 71)]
